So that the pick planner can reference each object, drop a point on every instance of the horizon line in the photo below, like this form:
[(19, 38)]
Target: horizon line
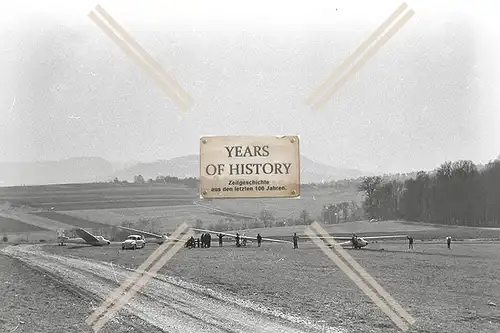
[(376, 172)]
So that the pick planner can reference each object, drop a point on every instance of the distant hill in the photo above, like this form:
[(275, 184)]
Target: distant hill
[(182, 167), (189, 166), (314, 172), (72, 170), (91, 169)]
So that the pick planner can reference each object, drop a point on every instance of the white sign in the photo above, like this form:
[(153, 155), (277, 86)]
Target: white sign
[(249, 167)]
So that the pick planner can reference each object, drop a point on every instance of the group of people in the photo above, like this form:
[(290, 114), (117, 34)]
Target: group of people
[(243, 240), (204, 241)]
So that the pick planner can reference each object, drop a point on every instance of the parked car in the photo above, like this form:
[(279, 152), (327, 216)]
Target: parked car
[(134, 242)]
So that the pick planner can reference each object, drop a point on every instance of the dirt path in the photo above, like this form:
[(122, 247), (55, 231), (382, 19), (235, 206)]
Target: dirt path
[(37, 221), (166, 303), (33, 301)]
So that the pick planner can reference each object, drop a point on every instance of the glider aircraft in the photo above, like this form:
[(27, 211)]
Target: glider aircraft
[(242, 237), (85, 238), (152, 238), (359, 242)]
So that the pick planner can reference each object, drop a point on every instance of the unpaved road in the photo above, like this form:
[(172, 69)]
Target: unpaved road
[(34, 301), (166, 303)]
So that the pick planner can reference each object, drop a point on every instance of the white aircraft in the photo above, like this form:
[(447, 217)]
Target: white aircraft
[(242, 237), (359, 242), (86, 238), (153, 238)]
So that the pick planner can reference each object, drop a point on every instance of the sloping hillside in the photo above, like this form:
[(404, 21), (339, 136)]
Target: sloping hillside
[(72, 170), (189, 166)]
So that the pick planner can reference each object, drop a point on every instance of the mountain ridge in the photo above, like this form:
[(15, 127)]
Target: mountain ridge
[(188, 166), (95, 169)]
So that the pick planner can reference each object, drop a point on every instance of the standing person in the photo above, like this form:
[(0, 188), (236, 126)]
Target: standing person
[(259, 240), (220, 239), (353, 240), (243, 240), (191, 242), (295, 241), (202, 238), (209, 240), (448, 241), (238, 240), (410, 242), (198, 242)]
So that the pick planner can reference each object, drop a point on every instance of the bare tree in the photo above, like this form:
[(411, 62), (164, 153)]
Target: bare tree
[(368, 186), (305, 217), (267, 218), (139, 179), (329, 213)]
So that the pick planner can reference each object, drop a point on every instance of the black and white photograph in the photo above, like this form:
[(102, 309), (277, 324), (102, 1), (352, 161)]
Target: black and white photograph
[(249, 166)]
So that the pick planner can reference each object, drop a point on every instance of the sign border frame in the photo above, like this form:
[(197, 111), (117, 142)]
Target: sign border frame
[(282, 136)]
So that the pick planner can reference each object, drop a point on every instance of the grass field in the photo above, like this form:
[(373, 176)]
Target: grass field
[(96, 196), (71, 220), (444, 290), (8, 225), (312, 200), (109, 196), (365, 228), (149, 204), (168, 217), (98, 205)]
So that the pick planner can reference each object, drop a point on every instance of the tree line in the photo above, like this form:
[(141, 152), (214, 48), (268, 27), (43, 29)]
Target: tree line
[(191, 182), (456, 193), (353, 183), (332, 213), (342, 212)]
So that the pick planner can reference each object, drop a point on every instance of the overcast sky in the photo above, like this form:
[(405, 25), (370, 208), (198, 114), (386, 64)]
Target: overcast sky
[(430, 94)]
